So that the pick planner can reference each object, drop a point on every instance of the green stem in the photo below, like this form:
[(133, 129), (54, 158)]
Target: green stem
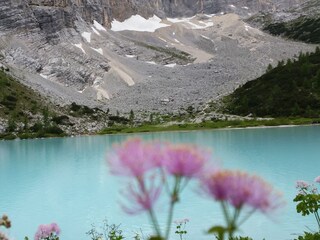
[(232, 226), (185, 184), (246, 217), (166, 185), (150, 211), (169, 220), (318, 219), (225, 212), (173, 200), (155, 223)]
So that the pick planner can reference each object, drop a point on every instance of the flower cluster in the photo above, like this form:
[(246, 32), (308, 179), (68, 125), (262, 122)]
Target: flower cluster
[(150, 164), (308, 199), (133, 158), (184, 160), (307, 188), (137, 159), (240, 189), (47, 232), (181, 221)]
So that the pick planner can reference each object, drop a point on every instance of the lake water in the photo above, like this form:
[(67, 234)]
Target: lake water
[(66, 180)]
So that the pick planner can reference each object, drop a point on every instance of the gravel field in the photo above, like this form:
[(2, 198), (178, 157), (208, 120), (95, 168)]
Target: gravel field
[(147, 71)]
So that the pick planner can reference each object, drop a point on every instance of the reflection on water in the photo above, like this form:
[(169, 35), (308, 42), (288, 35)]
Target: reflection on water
[(66, 180)]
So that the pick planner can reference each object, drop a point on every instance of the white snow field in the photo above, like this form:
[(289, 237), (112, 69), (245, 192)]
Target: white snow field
[(139, 24)]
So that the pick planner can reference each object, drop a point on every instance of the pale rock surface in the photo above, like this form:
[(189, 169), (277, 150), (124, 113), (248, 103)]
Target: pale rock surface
[(66, 50)]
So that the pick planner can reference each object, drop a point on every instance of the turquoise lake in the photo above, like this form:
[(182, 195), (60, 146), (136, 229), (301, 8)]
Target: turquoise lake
[(66, 180)]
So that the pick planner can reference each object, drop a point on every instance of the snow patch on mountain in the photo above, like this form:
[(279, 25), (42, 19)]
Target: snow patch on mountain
[(98, 50), (95, 31), (139, 24), (192, 22), (80, 46), (86, 36), (98, 26)]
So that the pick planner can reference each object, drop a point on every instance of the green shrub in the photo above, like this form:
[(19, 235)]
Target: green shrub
[(63, 120), (11, 98), (8, 137), (290, 90), (36, 127), (119, 119), (309, 236), (54, 130), (75, 107)]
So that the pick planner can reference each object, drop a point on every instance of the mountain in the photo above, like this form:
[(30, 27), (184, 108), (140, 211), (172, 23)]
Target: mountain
[(31, 14), (144, 55), (300, 22), (291, 89), (25, 113)]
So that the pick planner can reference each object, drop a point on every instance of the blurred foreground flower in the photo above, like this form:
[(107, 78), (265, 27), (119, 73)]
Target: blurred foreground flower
[(3, 236), (47, 232), (184, 160), (4, 221), (133, 158), (150, 164), (238, 190), (143, 196), (153, 165)]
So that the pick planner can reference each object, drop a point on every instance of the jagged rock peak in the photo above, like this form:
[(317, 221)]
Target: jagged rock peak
[(29, 14)]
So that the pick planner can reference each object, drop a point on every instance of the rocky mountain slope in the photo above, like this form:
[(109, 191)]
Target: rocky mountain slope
[(299, 22), (72, 51), (291, 89)]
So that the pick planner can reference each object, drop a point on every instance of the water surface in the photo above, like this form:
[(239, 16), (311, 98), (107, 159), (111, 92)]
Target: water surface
[(66, 180)]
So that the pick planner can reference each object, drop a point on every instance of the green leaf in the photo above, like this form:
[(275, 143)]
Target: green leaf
[(219, 231), (155, 238)]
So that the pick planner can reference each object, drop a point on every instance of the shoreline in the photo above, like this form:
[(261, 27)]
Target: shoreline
[(218, 125), (201, 129), (188, 127)]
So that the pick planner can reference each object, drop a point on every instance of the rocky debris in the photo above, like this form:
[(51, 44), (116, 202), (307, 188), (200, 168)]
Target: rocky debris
[(304, 8), (56, 48), (3, 125)]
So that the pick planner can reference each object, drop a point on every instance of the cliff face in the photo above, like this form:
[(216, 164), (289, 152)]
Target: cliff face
[(56, 47), (53, 15)]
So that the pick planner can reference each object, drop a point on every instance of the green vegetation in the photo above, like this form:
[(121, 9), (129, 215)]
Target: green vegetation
[(303, 29), (209, 125), (16, 99), (288, 90), (28, 113), (172, 52), (309, 236)]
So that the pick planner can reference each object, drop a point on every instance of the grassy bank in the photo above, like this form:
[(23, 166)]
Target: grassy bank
[(210, 125)]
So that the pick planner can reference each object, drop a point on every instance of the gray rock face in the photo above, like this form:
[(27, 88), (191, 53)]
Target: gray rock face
[(53, 46), (53, 15)]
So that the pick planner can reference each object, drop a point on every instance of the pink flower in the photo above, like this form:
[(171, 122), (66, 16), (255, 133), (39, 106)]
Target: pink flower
[(240, 189), (142, 197), (134, 157), (184, 160), (55, 228), (47, 231), (317, 179), (302, 184), (181, 221)]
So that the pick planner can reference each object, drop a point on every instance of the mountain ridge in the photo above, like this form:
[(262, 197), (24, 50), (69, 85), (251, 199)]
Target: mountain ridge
[(61, 49)]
